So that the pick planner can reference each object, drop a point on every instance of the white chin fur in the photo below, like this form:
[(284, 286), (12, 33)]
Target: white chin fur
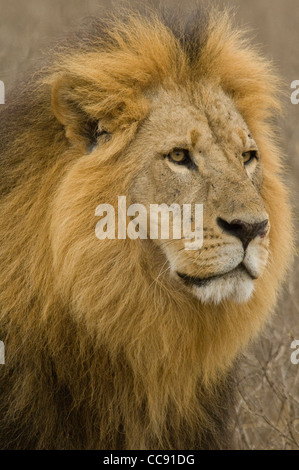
[(237, 289)]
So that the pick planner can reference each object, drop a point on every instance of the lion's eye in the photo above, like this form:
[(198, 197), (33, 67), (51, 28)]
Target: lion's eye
[(180, 157), (249, 156)]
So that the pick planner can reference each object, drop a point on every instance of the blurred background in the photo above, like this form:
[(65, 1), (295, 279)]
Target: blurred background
[(267, 414)]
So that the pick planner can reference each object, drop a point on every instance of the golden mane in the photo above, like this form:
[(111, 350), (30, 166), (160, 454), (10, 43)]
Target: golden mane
[(98, 353)]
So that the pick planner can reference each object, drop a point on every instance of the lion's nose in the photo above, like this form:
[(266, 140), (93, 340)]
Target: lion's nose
[(243, 230)]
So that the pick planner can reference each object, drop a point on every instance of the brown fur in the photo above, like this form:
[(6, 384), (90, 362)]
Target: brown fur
[(102, 352)]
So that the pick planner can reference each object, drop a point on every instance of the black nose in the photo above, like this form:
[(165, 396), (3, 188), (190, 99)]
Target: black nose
[(243, 230)]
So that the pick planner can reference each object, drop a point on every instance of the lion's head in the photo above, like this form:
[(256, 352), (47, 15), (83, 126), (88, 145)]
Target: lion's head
[(161, 115), (191, 129), (195, 146)]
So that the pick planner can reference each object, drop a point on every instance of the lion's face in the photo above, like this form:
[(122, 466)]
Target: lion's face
[(199, 150)]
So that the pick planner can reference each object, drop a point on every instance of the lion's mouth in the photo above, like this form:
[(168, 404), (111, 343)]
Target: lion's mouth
[(200, 282)]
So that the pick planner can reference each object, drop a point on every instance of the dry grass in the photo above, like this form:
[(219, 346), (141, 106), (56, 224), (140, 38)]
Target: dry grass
[(268, 385), (268, 409)]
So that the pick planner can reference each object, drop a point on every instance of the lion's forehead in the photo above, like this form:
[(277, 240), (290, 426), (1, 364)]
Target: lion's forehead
[(207, 119)]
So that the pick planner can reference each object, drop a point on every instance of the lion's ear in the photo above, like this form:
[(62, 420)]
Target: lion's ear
[(69, 107)]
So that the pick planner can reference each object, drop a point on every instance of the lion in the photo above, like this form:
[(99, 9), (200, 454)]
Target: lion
[(134, 343)]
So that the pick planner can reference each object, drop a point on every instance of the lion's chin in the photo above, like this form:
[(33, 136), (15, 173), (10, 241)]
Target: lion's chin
[(236, 286)]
